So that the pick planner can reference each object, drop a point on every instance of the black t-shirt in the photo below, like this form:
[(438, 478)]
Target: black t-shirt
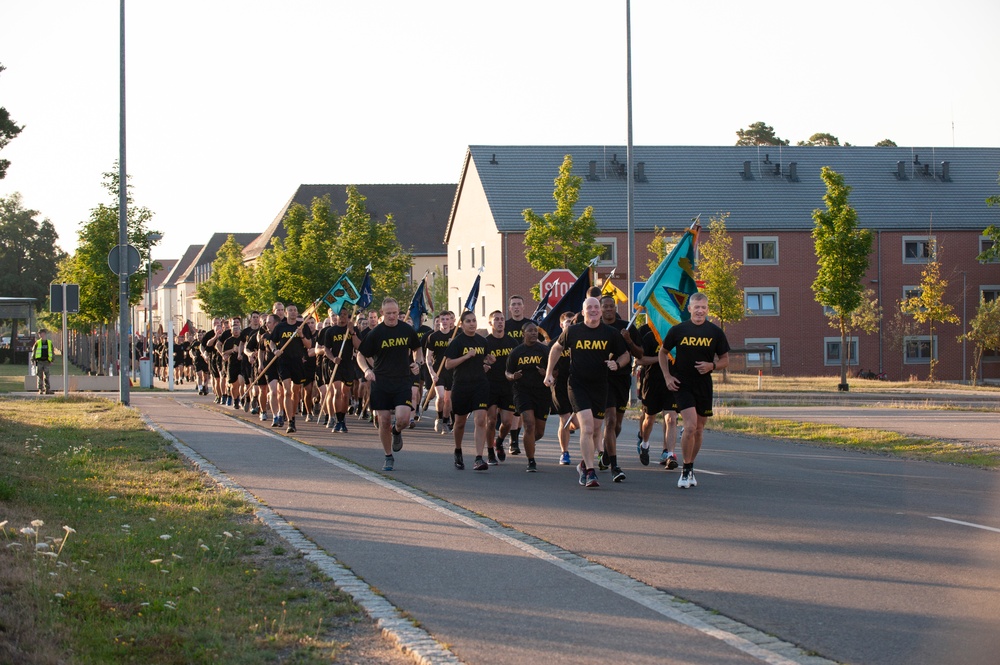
[(389, 348), (651, 376), (621, 324), (470, 372), (500, 347), (332, 338), (423, 331), (231, 343), (286, 331), (693, 343), (515, 329), (527, 360), (590, 348), (437, 342)]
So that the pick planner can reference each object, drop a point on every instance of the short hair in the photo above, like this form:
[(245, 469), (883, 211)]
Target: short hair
[(515, 297), (466, 313), (255, 312), (698, 295), (446, 312), (42, 331), (608, 295), (495, 312), (390, 301), (566, 316), (594, 292)]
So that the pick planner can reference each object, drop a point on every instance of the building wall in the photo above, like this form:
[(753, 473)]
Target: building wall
[(475, 243)]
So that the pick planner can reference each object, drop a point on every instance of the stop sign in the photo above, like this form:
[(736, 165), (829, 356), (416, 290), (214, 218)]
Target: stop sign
[(560, 280)]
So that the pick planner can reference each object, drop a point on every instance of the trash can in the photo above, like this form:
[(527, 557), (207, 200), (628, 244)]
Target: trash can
[(145, 373)]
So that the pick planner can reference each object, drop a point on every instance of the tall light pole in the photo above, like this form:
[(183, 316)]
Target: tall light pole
[(123, 275), (630, 181)]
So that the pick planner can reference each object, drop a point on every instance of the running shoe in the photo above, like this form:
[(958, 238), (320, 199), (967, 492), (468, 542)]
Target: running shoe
[(397, 441), (437, 425), (617, 474), (413, 423), (592, 479), (515, 448), (459, 463), (263, 416), (564, 459), (308, 416), (643, 453), (480, 464), (691, 479), (276, 422), (664, 458), (236, 406), (602, 460), (581, 470), (532, 467), (254, 411), (389, 461), (501, 453), (491, 457), (350, 410), (291, 427), (671, 462), (343, 428), (246, 403), (450, 425), (684, 481)]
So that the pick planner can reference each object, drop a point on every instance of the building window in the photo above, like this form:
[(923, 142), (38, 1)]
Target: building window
[(986, 243), (989, 293), (459, 262), (484, 306), (918, 249), (760, 250), (609, 255), (472, 257), (482, 255), (832, 351), (919, 349), (444, 270), (762, 301), (763, 352)]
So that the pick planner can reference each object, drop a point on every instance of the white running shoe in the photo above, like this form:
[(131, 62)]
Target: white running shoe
[(684, 481)]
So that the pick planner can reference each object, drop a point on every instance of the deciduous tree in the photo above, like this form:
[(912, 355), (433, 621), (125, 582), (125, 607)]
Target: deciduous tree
[(842, 252), (8, 130), (560, 239), (886, 143), (719, 268), (822, 139), (929, 307), (223, 293), (992, 253), (984, 332)]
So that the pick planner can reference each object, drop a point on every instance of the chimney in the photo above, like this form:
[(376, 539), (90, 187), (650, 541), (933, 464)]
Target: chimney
[(592, 173), (640, 171), (900, 171), (946, 171), (793, 171), (747, 174), (494, 159)]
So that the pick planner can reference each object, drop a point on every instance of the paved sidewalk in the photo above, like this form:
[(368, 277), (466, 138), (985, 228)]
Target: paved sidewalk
[(481, 592)]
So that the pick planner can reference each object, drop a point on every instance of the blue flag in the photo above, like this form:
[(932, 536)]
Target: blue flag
[(421, 303), (571, 302), (341, 294), (470, 302), (664, 298), (539, 313), (366, 296)]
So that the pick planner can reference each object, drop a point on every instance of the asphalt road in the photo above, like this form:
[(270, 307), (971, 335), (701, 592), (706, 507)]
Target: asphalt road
[(857, 558)]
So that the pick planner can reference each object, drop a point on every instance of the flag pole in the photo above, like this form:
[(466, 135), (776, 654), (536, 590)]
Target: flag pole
[(347, 333), (427, 397)]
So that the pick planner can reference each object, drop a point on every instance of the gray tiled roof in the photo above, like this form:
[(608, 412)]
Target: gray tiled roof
[(183, 266), (420, 212), (210, 249), (684, 181)]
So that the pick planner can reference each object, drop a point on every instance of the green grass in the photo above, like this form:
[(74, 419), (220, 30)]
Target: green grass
[(161, 567), (857, 438), (740, 383), (12, 376)]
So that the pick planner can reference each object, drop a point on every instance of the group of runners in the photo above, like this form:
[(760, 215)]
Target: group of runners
[(379, 366)]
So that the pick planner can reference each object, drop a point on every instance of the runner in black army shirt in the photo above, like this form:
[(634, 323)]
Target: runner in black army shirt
[(501, 401), (560, 394), (435, 344), (291, 368), (513, 328), (595, 349), (390, 356), (232, 362), (656, 399), (339, 342), (533, 399), (467, 357), (701, 347), (619, 388)]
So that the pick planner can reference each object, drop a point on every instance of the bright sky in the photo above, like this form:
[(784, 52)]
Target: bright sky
[(231, 105)]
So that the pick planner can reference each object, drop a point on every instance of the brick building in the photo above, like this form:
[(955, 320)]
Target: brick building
[(913, 199)]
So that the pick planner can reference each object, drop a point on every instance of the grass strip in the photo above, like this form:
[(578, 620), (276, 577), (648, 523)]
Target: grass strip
[(859, 439), (113, 549)]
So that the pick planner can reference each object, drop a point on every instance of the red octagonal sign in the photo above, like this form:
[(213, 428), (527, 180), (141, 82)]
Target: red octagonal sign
[(560, 280)]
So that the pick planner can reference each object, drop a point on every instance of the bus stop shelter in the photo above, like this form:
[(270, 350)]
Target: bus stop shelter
[(15, 348)]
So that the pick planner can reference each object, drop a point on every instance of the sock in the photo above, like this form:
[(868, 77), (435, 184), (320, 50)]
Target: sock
[(688, 466), (439, 414), (645, 445), (515, 434), (394, 430), (340, 416), (614, 461)]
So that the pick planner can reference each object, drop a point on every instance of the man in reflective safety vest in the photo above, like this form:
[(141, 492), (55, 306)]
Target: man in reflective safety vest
[(42, 354)]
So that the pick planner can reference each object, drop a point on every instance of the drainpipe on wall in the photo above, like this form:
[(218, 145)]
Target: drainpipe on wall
[(878, 236)]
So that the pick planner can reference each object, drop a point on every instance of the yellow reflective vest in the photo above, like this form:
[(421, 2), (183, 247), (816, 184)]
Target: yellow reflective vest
[(43, 350)]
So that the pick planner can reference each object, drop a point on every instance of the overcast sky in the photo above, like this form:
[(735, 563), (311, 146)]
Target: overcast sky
[(232, 105)]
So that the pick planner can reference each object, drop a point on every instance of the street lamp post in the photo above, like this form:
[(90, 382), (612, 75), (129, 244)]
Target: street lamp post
[(150, 238)]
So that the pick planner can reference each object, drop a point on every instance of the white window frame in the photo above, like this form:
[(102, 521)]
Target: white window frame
[(852, 343), (762, 290), (907, 360), (750, 240), (930, 241), (983, 248), (759, 341), (613, 246)]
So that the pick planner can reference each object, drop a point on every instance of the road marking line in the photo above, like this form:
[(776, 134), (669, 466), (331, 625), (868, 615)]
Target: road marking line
[(658, 601), (972, 524), (711, 473)]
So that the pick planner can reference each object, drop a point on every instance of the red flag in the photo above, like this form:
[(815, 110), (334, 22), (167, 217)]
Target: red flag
[(186, 329)]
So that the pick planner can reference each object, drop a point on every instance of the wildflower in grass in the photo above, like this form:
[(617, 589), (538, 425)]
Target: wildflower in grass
[(14, 544), (3, 527), (42, 547), (177, 556), (196, 589), (60, 596), (37, 523), (68, 530), (227, 534), (165, 536), (156, 561), (112, 497), (28, 531), (203, 546)]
